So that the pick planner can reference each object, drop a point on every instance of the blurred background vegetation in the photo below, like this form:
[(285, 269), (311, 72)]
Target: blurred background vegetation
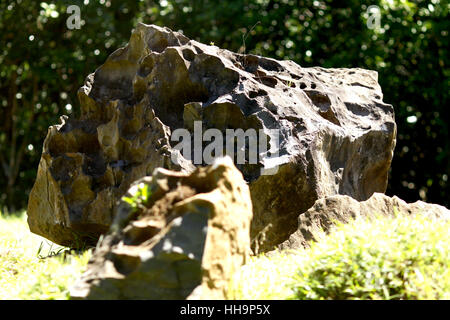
[(43, 63)]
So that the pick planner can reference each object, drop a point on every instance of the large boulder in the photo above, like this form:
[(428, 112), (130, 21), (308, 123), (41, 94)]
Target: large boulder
[(322, 132), (182, 237), (87, 164), (327, 212)]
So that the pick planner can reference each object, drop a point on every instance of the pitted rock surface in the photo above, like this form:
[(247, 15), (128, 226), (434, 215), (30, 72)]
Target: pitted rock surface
[(336, 135)]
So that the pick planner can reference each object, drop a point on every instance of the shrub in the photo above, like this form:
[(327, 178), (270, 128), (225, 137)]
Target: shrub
[(386, 258)]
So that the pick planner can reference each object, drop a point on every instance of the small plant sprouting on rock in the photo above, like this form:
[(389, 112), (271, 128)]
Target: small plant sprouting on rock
[(140, 194)]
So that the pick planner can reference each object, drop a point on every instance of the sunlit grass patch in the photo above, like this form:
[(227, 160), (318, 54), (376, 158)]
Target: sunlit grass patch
[(385, 258), (31, 267), (266, 278)]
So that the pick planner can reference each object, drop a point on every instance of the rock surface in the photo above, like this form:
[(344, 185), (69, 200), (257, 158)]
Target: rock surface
[(327, 211), (336, 135), (189, 237)]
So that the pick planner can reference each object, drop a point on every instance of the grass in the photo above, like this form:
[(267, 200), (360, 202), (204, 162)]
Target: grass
[(386, 258), (31, 267)]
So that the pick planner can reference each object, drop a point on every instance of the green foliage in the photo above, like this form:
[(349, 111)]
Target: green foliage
[(139, 198), (385, 258), (42, 64), (33, 268)]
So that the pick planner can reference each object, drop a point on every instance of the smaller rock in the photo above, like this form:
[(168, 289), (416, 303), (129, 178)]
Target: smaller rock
[(326, 212), (175, 236)]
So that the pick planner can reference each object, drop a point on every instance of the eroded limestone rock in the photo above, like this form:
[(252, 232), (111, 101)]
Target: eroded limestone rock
[(186, 240), (326, 212), (336, 135), (88, 163)]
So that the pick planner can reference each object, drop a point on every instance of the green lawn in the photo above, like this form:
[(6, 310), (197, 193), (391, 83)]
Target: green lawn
[(29, 268), (401, 258)]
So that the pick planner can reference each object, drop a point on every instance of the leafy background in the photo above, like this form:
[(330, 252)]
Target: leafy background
[(43, 63)]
